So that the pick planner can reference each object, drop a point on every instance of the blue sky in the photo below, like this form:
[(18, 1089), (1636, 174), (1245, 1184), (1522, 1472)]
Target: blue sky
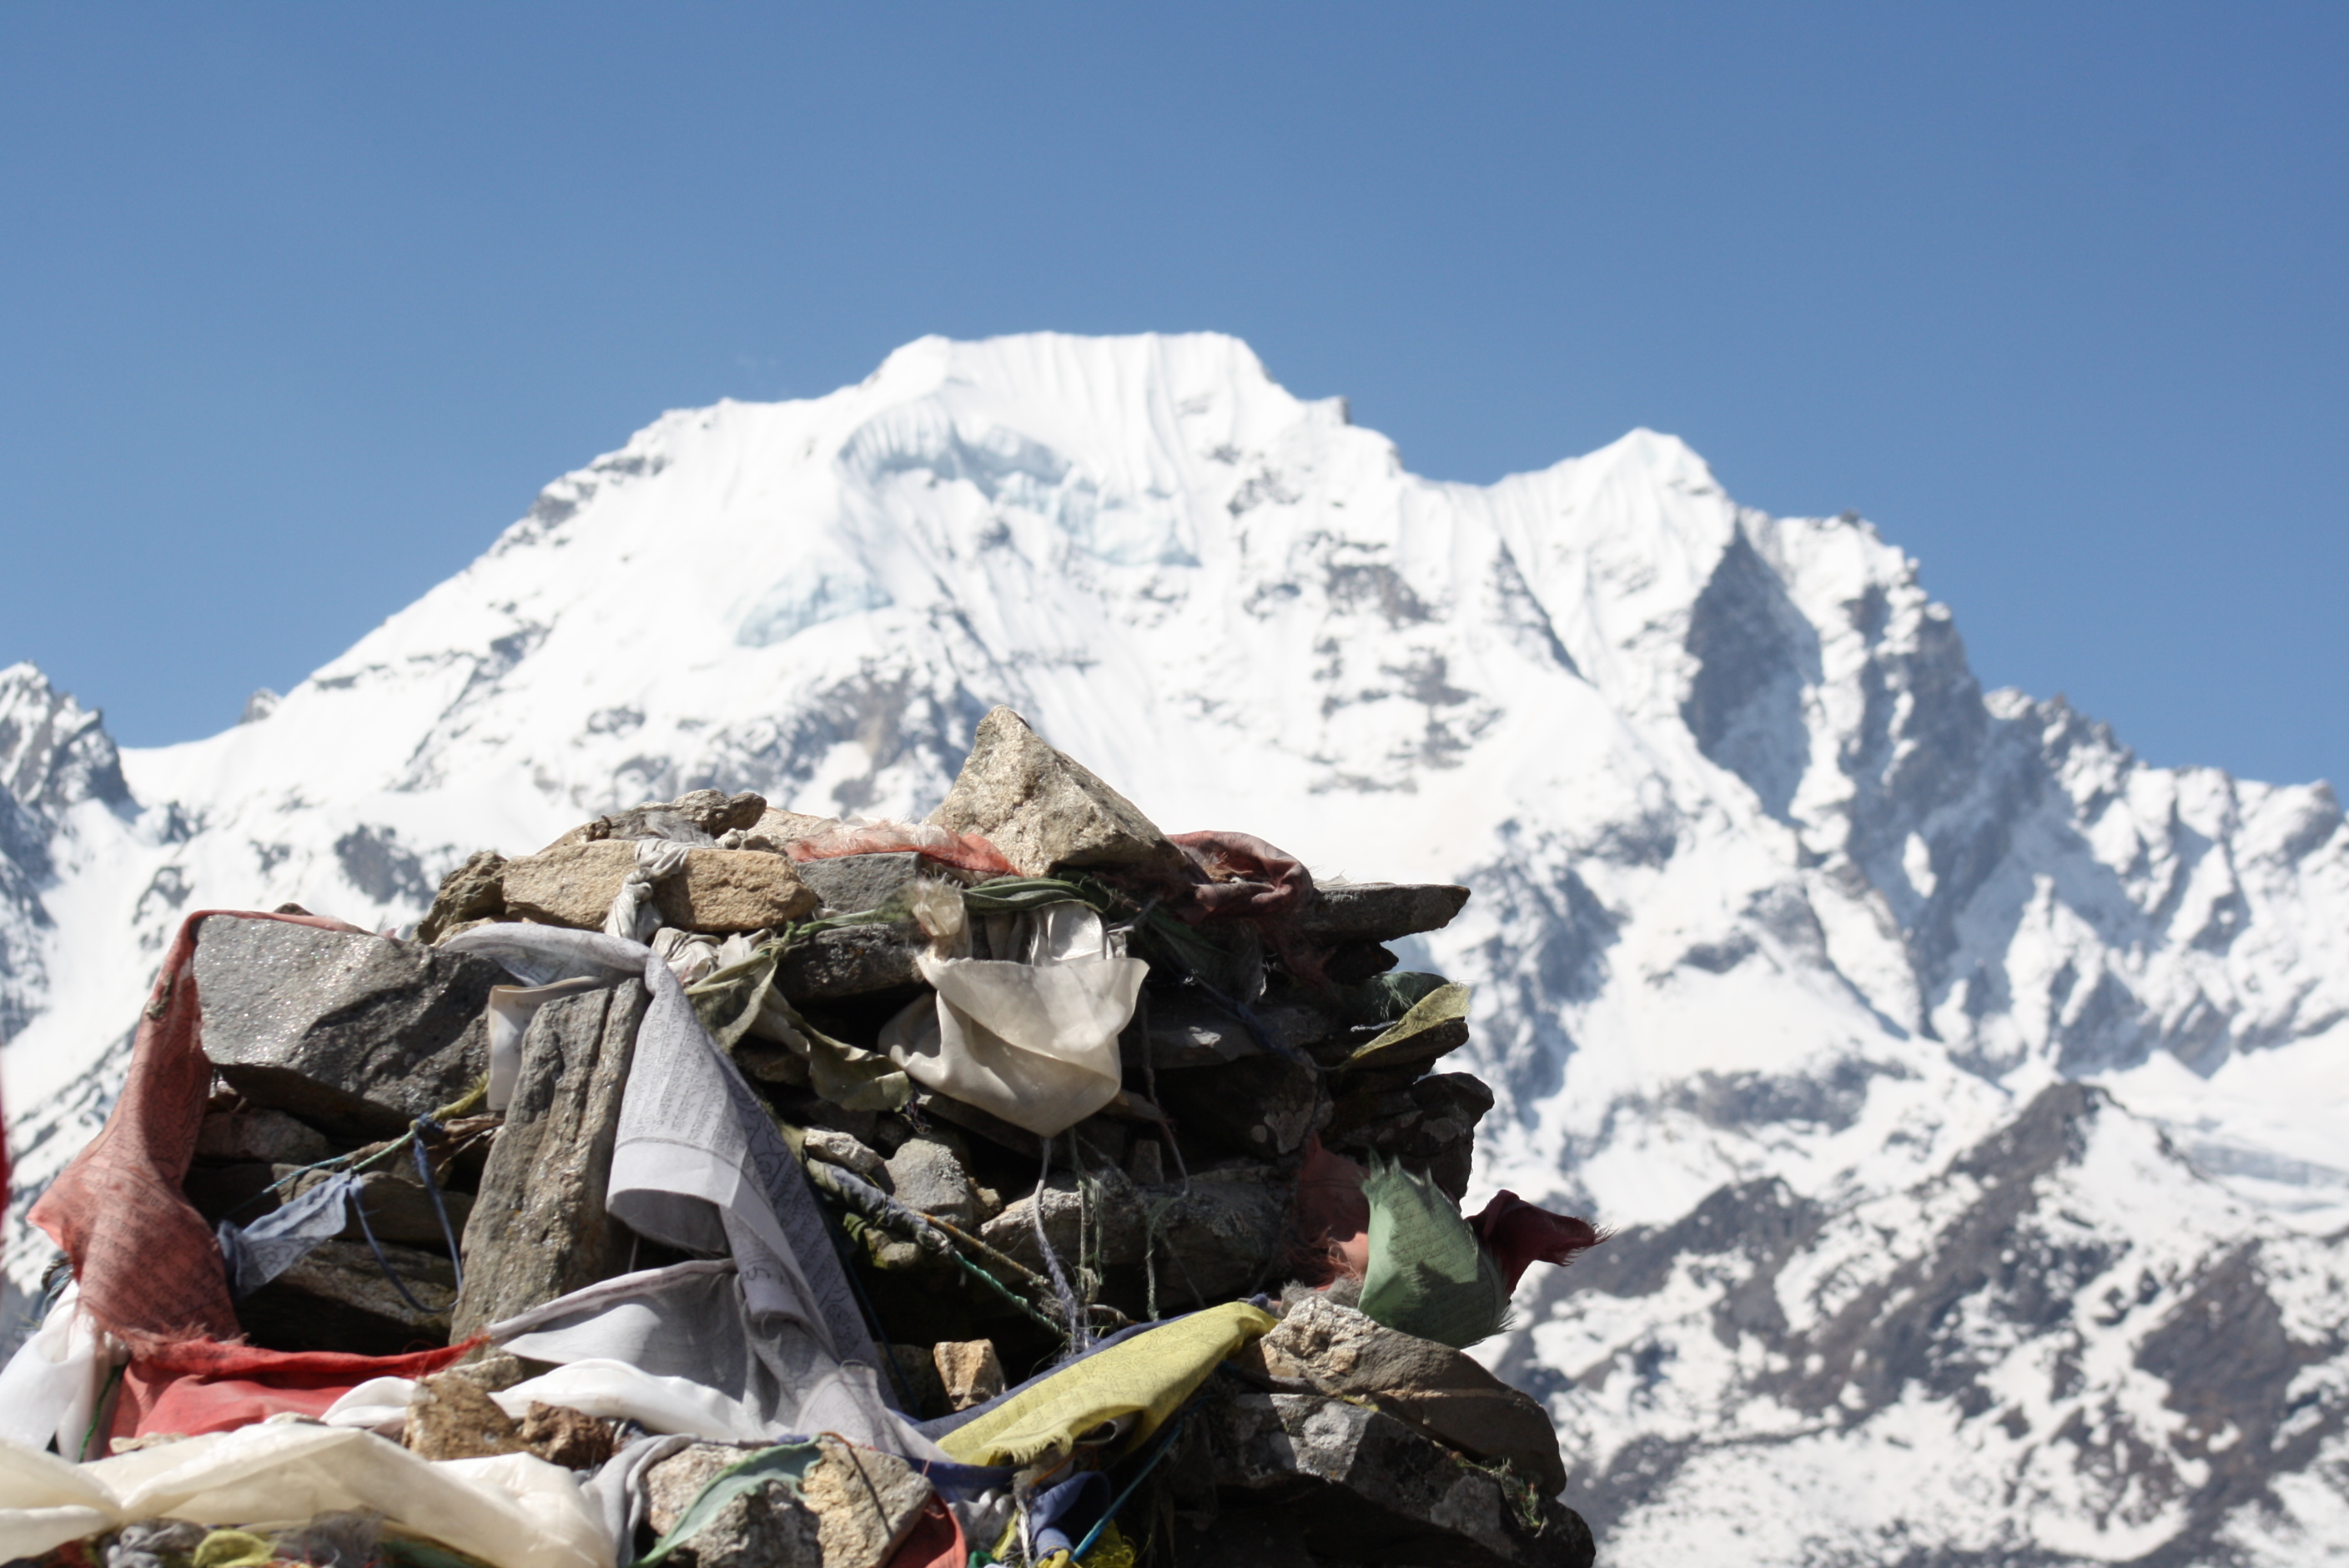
[(300, 304)]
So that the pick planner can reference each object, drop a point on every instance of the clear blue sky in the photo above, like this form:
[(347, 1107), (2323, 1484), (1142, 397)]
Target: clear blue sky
[(300, 304)]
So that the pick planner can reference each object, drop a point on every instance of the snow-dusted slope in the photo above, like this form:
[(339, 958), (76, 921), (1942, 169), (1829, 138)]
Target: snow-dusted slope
[(1787, 937)]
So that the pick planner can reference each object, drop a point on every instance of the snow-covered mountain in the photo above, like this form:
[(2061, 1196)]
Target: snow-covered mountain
[(1970, 1093)]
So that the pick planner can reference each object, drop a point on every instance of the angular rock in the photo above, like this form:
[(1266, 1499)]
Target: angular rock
[(847, 1153), (1185, 1029), (1221, 1235), (697, 816), (357, 1034), (766, 1526), (1436, 1026), (538, 1227), (850, 884), (1325, 1348), (853, 961), (475, 890), (256, 1132), (1218, 1236), (1356, 1484), (718, 891), (339, 1299), (1379, 911), (970, 1370), (865, 1502), (1046, 812), (925, 1175), (451, 1417), (565, 1436), (851, 1510)]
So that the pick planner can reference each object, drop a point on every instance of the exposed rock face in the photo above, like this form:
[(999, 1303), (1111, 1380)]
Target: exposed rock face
[(357, 1033), (539, 1229), (398, 1207), (1045, 812), (1299, 1474), (719, 891), (1325, 1348), (926, 1175)]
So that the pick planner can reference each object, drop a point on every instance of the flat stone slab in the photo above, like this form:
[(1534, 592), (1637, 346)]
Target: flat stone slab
[(718, 891), (852, 961), (851, 885), (356, 1035), (1379, 911)]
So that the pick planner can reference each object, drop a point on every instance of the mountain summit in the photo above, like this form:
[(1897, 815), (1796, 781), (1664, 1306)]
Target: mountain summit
[(1949, 1071)]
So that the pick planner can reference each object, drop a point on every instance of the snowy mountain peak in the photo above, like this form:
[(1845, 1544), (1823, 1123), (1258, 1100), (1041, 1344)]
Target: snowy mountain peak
[(1776, 913)]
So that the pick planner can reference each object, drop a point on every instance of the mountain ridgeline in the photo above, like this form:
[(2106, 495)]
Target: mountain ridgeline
[(1965, 1092)]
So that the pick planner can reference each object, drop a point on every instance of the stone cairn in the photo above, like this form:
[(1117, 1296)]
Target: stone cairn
[(1331, 1440)]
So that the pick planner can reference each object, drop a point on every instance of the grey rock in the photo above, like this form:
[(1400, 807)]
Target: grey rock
[(1261, 1107), (1355, 1483), (1185, 1029), (846, 1151), (852, 1510), (256, 1132), (853, 961), (398, 1207), (539, 1229), (768, 1527), (357, 1034), (1218, 1236), (848, 884), (339, 1299), (1046, 812), (697, 816), (475, 890), (1379, 911), (926, 1175), (1320, 1346)]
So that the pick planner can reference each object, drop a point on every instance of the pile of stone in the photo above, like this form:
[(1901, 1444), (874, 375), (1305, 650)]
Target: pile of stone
[(1257, 1043)]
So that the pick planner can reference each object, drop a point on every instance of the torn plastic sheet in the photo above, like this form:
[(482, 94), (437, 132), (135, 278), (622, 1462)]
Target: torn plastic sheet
[(1027, 1032), (512, 1511)]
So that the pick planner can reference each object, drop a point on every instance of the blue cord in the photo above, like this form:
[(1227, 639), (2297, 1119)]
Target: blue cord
[(425, 1124)]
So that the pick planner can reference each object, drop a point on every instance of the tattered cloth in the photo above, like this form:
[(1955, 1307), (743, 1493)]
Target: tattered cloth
[(1147, 1377), (1238, 876), (149, 1265), (201, 1387)]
